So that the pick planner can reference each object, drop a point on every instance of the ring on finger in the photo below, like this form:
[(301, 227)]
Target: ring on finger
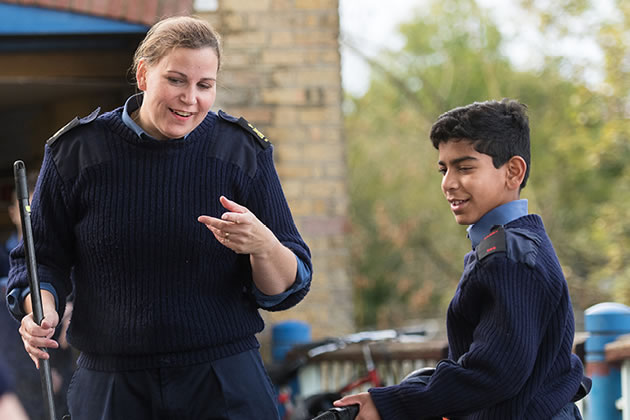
[(227, 235)]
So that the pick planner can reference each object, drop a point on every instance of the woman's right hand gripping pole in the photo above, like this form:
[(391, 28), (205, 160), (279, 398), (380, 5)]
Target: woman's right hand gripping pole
[(35, 337)]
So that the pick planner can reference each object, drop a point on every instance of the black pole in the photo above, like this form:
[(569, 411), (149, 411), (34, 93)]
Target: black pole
[(21, 189)]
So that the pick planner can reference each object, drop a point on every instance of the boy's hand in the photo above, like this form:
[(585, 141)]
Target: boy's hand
[(367, 410)]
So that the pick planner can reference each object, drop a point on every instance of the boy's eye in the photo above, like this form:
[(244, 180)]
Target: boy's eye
[(442, 171), (465, 168)]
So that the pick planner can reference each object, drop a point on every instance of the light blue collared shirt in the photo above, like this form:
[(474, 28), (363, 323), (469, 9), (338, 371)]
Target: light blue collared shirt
[(501, 215), (133, 103)]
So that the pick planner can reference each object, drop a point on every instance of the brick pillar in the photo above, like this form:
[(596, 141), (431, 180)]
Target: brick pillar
[(281, 70)]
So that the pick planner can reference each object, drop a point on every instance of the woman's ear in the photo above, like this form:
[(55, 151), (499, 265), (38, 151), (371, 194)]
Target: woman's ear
[(516, 168), (141, 75)]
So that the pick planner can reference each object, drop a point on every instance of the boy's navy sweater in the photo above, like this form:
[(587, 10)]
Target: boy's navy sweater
[(510, 331), (152, 285)]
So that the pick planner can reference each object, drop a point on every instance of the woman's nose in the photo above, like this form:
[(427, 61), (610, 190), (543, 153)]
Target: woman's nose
[(188, 96)]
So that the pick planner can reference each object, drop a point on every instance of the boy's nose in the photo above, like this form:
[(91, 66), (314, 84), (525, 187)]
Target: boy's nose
[(448, 182)]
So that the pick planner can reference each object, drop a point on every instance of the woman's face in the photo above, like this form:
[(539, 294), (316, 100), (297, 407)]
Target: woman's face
[(179, 90)]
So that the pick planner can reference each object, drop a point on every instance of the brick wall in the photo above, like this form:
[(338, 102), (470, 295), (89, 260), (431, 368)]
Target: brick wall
[(281, 71)]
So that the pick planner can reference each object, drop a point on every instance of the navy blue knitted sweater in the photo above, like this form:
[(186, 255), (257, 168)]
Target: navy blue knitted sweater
[(152, 285), (510, 331)]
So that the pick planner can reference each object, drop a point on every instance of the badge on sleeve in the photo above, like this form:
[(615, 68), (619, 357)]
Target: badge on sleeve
[(493, 242)]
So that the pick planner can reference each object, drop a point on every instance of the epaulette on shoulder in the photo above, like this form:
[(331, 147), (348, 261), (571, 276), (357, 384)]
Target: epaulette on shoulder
[(247, 126), (75, 122), (493, 242)]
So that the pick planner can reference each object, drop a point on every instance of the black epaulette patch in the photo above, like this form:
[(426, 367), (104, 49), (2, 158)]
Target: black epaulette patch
[(247, 126), (74, 123), (492, 243)]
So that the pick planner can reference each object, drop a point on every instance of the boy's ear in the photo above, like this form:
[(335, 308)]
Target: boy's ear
[(516, 168)]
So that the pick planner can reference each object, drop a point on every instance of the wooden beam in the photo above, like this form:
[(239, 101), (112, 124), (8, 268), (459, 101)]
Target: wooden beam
[(90, 64)]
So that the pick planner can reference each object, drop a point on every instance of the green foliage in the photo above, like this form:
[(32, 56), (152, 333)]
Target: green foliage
[(407, 250)]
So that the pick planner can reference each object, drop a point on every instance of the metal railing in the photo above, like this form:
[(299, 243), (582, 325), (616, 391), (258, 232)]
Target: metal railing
[(394, 360), (330, 371)]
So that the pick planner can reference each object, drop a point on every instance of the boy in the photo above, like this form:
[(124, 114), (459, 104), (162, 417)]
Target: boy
[(510, 323)]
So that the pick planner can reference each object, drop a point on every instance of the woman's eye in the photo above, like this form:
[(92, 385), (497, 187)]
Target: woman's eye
[(174, 80), (205, 86)]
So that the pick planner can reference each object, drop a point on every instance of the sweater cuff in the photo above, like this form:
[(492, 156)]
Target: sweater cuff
[(302, 277), (15, 299), (385, 401)]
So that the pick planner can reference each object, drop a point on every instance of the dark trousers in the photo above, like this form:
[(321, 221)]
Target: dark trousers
[(234, 388)]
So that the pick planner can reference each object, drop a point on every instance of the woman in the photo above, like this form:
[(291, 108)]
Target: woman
[(175, 227)]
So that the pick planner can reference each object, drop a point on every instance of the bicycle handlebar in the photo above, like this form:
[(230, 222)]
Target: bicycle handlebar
[(332, 344), (348, 412)]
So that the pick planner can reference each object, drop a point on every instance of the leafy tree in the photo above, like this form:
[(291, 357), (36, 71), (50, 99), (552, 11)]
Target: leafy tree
[(407, 250), (597, 232)]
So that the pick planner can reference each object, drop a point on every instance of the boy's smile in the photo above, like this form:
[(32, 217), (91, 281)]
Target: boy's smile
[(471, 183)]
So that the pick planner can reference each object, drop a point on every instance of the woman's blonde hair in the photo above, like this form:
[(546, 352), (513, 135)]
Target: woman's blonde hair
[(175, 32)]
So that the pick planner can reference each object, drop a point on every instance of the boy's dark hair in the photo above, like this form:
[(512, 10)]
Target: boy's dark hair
[(497, 129)]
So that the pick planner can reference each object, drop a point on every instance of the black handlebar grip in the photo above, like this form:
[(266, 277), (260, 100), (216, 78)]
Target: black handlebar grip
[(349, 412)]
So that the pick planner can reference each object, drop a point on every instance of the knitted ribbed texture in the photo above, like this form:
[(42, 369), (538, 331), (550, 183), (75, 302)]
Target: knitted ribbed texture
[(153, 287), (510, 330)]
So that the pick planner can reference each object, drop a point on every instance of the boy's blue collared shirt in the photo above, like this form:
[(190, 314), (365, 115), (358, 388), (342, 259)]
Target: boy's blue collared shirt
[(501, 215)]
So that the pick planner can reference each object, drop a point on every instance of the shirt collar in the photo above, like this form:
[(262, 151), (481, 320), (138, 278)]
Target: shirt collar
[(132, 104), (501, 215)]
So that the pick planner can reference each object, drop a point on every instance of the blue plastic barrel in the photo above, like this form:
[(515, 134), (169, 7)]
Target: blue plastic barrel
[(285, 335), (605, 322)]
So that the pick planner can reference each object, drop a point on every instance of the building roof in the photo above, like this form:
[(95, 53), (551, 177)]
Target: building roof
[(144, 12)]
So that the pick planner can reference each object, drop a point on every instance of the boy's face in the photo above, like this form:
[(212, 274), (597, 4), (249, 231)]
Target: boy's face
[(471, 183)]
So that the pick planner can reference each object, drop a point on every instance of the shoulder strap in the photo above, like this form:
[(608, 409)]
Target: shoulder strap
[(262, 140), (493, 242), (76, 121)]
